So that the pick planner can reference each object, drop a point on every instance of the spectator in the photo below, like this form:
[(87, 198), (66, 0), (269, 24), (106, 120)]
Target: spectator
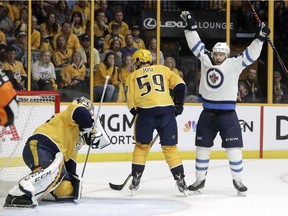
[(101, 29), (6, 24), (43, 72), (170, 63), (280, 91), (61, 55), (243, 96), (38, 11), (73, 42), (85, 52), (16, 67), (118, 19), (253, 86), (108, 14), (73, 79), (126, 69), (115, 47), (83, 8), (152, 48), (49, 27), (62, 12), (138, 42), (107, 67), (193, 83), (20, 46), (2, 38), (129, 48), (21, 24), (35, 35), (112, 36), (77, 26)]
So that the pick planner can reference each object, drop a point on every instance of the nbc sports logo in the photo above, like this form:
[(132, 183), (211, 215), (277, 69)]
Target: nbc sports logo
[(190, 125)]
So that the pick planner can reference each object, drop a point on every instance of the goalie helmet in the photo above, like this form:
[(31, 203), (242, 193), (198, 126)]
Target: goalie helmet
[(221, 47), (142, 56), (86, 103)]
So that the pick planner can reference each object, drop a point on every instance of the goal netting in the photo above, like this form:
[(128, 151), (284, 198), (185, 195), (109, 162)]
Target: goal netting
[(35, 107)]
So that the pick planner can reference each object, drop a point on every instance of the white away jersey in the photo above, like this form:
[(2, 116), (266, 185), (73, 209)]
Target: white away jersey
[(219, 83)]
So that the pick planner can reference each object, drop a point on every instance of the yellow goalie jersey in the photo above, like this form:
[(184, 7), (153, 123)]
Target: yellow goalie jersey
[(64, 128), (149, 87)]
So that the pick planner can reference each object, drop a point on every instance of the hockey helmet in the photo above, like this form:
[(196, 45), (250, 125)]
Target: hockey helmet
[(142, 56), (221, 47), (86, 103)]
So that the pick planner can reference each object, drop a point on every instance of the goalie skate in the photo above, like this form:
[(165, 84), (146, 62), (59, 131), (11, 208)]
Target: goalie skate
[(240, 187), (197, 186), (19, 202)]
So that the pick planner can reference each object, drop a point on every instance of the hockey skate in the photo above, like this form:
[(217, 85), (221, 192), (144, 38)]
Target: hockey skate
[(240, 187), (19, 202), (197, 186), (182, 187), (134, 185)]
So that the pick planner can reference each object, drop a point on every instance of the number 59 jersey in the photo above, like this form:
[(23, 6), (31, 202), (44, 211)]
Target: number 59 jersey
[(149, 87)]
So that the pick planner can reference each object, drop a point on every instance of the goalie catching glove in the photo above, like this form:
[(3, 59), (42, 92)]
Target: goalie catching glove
[(96, 137), (189, 20)]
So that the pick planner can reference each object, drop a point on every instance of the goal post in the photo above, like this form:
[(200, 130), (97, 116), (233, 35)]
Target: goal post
[(35, 108)]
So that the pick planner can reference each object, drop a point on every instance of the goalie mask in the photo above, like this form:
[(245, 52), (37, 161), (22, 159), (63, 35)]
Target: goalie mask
[(86, 103), (142, 56), (221, 47)]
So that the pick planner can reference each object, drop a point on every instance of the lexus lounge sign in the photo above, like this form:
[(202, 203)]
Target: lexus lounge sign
[(210, 24)]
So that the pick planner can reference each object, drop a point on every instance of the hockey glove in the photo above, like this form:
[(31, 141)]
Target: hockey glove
[(189, 20), (178, 109), (263, 32)]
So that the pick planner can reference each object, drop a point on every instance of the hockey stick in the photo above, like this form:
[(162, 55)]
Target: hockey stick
[(95, 119), (269, 40), (121, 186)]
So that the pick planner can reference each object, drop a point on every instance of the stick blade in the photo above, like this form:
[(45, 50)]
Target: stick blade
[(121, 186), (116, 187)]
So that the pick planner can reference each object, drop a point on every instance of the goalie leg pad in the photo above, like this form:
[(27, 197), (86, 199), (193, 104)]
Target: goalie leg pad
[(44, 180)]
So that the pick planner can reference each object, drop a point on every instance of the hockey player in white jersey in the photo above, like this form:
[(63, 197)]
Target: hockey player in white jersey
[(218, 92)]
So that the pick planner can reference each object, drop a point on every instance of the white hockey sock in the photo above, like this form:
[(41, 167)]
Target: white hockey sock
[(202, 162), (235, 162)]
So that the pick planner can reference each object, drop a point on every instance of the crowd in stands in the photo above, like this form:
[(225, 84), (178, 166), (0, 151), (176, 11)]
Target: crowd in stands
[(60, 45)]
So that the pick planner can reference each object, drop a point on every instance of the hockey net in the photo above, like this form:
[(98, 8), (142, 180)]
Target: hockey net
[(35, 107)]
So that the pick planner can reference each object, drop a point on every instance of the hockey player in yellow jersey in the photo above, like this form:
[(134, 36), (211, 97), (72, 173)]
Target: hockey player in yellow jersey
[(51, 153), (149, 100)]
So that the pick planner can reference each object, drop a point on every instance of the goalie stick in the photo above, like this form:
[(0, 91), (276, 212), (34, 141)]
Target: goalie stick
[(269, 41), (121, 186)]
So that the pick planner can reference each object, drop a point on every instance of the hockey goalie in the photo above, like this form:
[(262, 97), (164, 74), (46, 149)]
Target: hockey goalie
[(51, 153)]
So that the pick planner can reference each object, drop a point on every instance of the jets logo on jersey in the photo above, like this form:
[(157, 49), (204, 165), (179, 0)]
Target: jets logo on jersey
[(214, 78)]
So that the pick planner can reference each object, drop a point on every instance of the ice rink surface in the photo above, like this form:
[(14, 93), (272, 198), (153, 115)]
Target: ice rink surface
[(266, 179)]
